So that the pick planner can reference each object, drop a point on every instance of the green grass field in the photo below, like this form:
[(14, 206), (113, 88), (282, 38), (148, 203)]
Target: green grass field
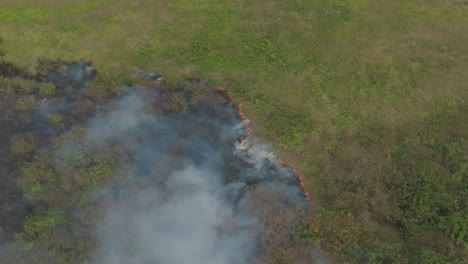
[(367, 99)]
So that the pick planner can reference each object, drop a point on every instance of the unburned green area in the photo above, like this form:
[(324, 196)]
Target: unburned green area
[(367, 99)]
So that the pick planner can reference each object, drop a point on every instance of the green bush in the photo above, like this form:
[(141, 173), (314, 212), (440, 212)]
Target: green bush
[(97, 174), (26, 102), (37, 180), (22, 85), (41, 224), (81, 168), (16, 85), (23, 144), (57, 120), (101, 168), (47, 89)]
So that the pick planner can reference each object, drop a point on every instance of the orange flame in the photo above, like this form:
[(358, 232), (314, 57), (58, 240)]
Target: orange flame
[(242, 116), (299, 179), (248, 127)]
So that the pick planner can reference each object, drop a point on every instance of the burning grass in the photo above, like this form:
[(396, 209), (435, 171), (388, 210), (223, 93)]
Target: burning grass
[(248, 127), (161, 162), (338, 87)]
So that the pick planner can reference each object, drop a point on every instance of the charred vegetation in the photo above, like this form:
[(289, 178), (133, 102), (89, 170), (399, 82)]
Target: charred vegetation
[(69, 159)]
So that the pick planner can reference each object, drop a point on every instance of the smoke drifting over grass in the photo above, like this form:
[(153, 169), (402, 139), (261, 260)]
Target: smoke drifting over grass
[(162, 174), (185, 199), (180, 227)]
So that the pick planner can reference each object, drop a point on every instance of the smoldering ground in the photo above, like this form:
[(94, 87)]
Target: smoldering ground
[(163, 174), (185, 198)]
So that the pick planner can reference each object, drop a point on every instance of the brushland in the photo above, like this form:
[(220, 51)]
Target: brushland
[(367, 99)]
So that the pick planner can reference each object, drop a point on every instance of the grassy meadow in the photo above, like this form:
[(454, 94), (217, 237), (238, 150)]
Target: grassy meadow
[(367, 99)]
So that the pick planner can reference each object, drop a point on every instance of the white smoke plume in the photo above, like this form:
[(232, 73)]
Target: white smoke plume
[(182, 228), (186, 199), (163, 174)]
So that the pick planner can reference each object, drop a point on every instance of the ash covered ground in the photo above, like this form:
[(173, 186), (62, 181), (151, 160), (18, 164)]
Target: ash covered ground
[(160, 173)]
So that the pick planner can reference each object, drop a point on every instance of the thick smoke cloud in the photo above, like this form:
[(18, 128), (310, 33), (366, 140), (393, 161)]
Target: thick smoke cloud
[(186, 199)]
